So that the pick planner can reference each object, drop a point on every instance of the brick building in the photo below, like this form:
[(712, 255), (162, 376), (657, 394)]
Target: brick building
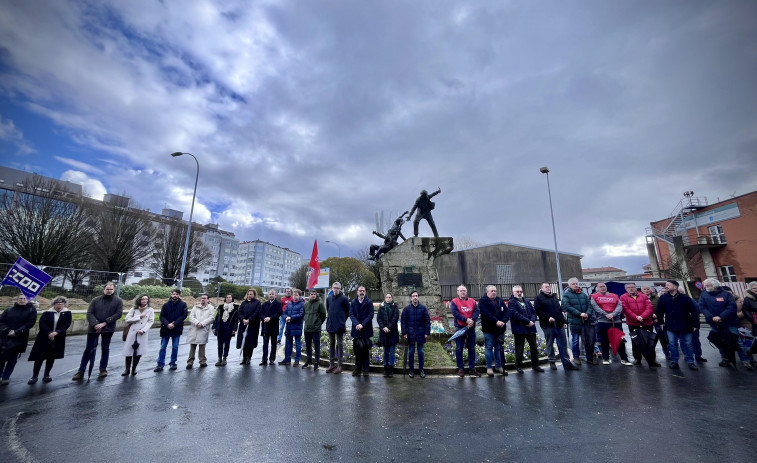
[(700, 240)]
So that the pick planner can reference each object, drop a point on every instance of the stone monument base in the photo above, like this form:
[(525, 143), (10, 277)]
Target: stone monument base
[(410, 267)]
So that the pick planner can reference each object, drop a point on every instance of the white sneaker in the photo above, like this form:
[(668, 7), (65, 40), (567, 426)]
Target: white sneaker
[(626, 363), (605, 362)]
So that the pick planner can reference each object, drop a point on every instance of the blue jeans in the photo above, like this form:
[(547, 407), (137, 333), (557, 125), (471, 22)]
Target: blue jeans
[(389, 355), (552, 334), (492, 352), (282, 324), (696, 344), (411, 351), (586, 332), (174, 350), (743, 357), (686, 347), (288, 348), (467, 340), (89, 351)]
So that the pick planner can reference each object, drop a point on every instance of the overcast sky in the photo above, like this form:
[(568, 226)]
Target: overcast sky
[(308, 117)]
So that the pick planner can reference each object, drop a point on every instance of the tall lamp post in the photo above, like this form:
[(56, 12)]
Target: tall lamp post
[(545, 170), (337, 246), (189, 225)]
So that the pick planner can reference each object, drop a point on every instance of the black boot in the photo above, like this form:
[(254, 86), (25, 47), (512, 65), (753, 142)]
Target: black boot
[(128, 367), (134, 366)]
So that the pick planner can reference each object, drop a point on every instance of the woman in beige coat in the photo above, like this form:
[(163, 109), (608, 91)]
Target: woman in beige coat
[(200, 320), (139, 319)]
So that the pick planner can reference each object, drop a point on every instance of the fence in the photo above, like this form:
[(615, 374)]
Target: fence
[(78, 285)]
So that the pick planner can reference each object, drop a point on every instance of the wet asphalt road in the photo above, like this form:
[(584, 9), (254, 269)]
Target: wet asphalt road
[(283, 414)]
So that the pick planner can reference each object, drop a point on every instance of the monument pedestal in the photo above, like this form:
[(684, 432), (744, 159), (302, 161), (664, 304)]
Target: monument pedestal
[(410, 267)]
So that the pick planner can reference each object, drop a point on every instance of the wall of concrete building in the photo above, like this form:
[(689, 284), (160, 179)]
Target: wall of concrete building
[(529, 265)]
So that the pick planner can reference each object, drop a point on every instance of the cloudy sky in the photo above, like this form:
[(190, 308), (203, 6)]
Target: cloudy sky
[(309, 117)]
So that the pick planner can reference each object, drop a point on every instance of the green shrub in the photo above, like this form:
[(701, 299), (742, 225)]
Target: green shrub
[(150, 282), (130, 292)]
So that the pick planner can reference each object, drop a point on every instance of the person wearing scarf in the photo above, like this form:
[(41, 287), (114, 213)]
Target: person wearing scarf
[(140, 319), (225, 327), (389, 336)]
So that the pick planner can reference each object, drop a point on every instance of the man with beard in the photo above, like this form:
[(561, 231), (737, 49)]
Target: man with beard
[(270, 313), (102, 315), (172, 316)]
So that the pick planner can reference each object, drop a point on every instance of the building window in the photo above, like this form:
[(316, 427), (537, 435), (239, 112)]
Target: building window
[(505, 274), (727, 273), (716, 234)]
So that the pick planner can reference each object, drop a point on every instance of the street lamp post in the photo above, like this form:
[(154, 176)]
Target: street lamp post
[(545, 170), (337, 246), (189, 225)]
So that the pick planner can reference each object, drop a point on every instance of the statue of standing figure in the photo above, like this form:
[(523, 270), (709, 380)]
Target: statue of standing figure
[(424, 205), (390, 239)]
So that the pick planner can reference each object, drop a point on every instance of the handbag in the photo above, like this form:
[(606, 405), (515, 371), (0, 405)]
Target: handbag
[(126, 332)]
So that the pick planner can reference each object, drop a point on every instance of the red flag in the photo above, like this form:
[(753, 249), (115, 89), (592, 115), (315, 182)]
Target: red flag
[(315, 267)]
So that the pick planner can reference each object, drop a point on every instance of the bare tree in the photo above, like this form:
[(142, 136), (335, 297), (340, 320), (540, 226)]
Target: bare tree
[(363, 256), (299, 278), (465, 242), (169, 242), (44, 223), (122, 239), (350, 272), (680, 269)]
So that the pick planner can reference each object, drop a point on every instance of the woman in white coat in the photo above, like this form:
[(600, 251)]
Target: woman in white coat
[(139, 320), (200, 321)]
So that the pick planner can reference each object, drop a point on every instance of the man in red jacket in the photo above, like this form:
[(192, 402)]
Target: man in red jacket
[(639, 315)]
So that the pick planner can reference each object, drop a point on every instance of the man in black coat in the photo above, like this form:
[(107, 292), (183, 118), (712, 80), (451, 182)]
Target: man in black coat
[(15, 324), (552, 321), (102, 315), (270, 314), (494, 318), (338, 309), (361, 316), (172, 316), (679, 318)]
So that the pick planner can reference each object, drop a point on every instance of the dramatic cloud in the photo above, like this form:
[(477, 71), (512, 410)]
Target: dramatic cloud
[(10, 134), (90, 186), (309, 117)]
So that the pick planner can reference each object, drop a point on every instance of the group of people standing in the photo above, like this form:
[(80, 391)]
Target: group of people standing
[(674, 315)]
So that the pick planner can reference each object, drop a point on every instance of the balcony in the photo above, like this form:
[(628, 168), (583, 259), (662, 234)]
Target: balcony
[(704, 241)]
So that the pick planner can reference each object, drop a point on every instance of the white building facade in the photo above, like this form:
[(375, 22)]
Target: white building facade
[(263, 264)]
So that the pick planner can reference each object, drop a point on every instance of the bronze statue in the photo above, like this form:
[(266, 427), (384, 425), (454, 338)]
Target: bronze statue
[(390, 239), (424, 205)]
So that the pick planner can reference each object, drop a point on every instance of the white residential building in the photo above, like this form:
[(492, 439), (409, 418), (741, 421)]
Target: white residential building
[(263, 264), (223, 246)]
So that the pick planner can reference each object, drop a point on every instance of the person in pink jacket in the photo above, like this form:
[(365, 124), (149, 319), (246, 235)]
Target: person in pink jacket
[(639, 315)]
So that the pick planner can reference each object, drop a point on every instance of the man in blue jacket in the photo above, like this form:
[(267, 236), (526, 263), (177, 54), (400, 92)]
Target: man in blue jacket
[(416, 328), (172, 316), (719, 309), (361, 316)]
